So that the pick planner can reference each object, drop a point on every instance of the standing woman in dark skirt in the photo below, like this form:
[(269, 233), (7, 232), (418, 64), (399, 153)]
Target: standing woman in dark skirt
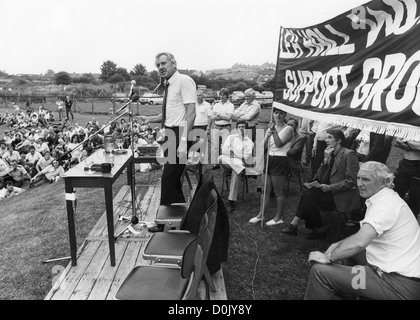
[(277, 140)]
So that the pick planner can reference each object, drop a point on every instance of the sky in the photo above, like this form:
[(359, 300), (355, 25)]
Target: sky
[(79, 35)]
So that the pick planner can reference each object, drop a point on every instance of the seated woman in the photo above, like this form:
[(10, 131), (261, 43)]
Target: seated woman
[(51, 173), (75, 149)]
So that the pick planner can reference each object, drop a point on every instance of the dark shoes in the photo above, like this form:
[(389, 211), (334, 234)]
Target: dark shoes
[(216, 166), (315, 234), (230, 205), (290, 230)]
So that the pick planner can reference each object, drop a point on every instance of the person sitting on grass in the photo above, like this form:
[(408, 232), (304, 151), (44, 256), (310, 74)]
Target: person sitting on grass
[(75, 149), (4, 169), (51, 173), (44, 162), (18, 174), (10, 191), (3, 148), (11, 155), (24, 145), (31, 159), (41, 146), (382, 260), (86, 152)]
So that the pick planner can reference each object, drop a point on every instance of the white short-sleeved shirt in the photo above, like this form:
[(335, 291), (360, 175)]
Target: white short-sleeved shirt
[(202, 113), (226, 108), (181, 91), (282, 151), (33, 158), (397, 247)]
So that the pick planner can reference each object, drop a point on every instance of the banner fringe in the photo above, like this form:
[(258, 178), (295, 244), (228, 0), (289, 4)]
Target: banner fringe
[(399, 130)]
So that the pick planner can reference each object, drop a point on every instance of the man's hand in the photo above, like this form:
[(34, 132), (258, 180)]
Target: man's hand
[(325, 187), (318, 257), (182, 149)]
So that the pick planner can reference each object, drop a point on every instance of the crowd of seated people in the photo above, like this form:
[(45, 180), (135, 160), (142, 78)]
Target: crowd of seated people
[(35, 152)]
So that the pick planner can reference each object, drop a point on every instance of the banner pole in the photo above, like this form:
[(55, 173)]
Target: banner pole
[(271, 117)]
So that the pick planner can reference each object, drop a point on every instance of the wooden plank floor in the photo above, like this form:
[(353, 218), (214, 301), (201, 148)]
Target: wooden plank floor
[(94, 278)]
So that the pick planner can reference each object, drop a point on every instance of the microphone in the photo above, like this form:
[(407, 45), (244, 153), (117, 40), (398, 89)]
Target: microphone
[(134, 98)]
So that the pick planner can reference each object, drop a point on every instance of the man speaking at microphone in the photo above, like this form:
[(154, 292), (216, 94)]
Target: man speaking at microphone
[(178, 116)]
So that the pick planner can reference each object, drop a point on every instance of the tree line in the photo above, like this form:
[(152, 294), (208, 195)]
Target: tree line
[(119, 76)]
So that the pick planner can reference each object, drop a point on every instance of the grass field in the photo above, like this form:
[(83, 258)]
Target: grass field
[(263, 263)]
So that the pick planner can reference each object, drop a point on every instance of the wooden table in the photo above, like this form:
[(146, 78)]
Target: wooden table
[(78, 177)]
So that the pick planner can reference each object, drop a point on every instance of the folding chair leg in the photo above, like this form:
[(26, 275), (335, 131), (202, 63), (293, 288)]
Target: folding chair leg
[(209, 280)]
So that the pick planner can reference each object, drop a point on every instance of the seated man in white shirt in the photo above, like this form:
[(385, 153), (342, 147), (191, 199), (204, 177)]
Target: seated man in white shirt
[(383, 257), (32, 158), (236, 156)]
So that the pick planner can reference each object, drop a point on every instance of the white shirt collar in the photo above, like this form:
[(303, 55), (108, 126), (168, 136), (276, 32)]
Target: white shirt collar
[(378, 196), (173, 77)]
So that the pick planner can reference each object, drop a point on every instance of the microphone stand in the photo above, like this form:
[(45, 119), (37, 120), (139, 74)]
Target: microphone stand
[(134, 218)]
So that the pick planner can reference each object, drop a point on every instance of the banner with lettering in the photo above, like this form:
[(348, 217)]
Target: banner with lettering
[(360, 69)]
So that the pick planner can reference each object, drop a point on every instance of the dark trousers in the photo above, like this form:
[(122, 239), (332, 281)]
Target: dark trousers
[(358, 279), (311, 200), (407, 179), (67, 114), (171, 186)]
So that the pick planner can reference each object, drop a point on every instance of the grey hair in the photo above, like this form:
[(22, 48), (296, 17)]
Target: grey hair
[(170, 56), (251, 91), (379, 171)]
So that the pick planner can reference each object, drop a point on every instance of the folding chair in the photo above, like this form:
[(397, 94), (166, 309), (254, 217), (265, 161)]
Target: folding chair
[(168, 246), (169, 281)]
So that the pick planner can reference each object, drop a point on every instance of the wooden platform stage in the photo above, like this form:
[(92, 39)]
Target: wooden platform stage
[(94, 278)]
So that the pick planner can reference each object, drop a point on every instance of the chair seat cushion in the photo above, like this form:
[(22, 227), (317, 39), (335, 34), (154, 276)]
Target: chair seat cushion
[(167, 244), (171, 212), (153, 283)]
